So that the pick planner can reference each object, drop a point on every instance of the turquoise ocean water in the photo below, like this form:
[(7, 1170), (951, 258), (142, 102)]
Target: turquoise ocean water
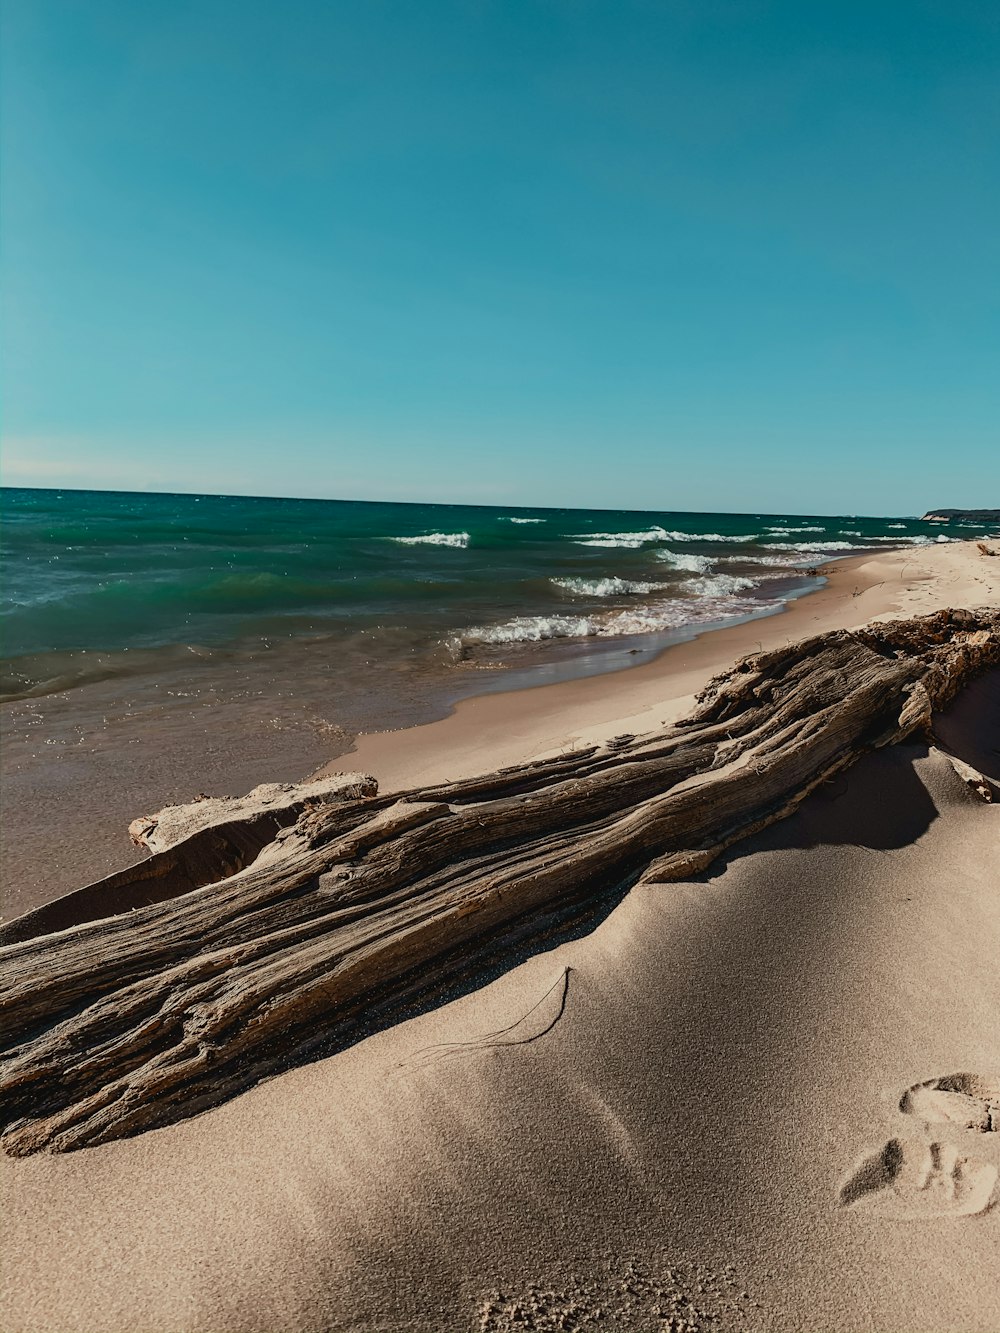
[(115, 584)]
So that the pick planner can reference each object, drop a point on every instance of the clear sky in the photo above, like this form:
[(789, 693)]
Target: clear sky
[(684, 254)]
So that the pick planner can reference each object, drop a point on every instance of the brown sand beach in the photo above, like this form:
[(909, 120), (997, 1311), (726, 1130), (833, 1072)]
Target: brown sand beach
[(761, 1095)]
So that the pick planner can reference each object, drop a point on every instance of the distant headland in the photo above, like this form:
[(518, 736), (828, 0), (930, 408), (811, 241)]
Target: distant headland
[(972, 515)]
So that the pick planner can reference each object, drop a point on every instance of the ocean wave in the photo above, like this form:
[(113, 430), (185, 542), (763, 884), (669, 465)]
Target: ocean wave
[(907, 541), (694, 564), (649, 619), (791, 559), (784, 529), (629, 540), (612, 541), (710, 537), (812, 546), (719, 585), (895, 525), (632, 540), (608, 587), (507, 519), (435, 539)]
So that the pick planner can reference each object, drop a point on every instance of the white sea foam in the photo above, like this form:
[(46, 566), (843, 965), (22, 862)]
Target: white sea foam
[(718, 585), (895, 525), (784, 529), (632, 540), (694, 564), (789, 560), (506, 519), (651, 618), (906, 541), (811, 546), (435, 539), (630, 543), (608, 587), (865, 544), (708, 537), (629, 540)]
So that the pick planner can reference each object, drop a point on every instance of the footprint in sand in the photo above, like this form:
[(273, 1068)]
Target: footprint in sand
[(968, 1100), (908, 1179)]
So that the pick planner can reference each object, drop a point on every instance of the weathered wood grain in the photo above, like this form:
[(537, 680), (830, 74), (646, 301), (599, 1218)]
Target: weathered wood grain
[(130, 1022)]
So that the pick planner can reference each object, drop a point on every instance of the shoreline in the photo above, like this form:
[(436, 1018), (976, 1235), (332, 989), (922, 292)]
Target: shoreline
[(500, 727), (92, 798), (93, 758)]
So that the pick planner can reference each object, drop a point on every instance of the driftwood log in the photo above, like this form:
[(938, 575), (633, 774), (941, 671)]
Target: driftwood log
[(130, 1022)]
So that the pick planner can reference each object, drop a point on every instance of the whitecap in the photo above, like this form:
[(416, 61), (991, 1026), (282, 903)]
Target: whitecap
[(709, 537), (719, 585), (906, 541), (632, 540), (695, 564), (629, 543), (811, 546), (629, 540), (651, 618), (791, 558), (435, 539), (607, 587)]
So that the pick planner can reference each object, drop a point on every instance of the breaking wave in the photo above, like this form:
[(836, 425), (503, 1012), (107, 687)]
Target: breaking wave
[(629, 540), (649, 619), (633, 540), (719, 585), (695, 564), (435, 539), (608, 587), (811, 546), (792, 559), (507, 519), (909, 541), (710, 537)]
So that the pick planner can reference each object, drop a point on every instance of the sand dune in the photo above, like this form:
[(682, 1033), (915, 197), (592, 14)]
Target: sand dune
[(758, 1099)]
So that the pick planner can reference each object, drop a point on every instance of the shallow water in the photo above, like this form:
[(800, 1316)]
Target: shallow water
[(108, 585)]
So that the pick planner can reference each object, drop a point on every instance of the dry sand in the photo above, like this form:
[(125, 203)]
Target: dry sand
[(688, 1116)]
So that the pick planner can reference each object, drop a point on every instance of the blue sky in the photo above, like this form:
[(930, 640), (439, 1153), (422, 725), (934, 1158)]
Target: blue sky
[(684, 254)]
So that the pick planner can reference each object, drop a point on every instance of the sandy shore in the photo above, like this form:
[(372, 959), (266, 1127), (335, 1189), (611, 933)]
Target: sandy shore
[(496, 729), (691, 1111)]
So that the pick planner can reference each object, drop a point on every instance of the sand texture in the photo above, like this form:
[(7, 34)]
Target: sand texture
[(765, 1097)]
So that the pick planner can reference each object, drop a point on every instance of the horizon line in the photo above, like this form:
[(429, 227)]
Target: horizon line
[(451, 504)]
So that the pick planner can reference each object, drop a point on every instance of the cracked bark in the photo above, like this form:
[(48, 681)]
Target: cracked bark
[(137, 1020)]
